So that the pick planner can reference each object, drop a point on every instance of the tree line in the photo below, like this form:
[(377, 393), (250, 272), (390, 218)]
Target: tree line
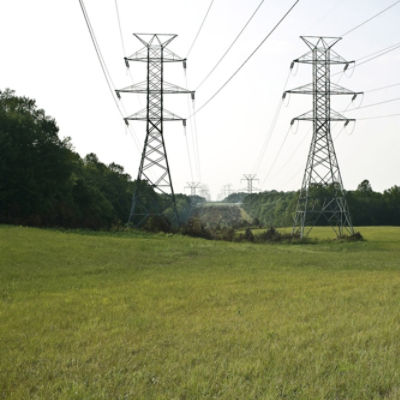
[(367, 207), (44, 182)]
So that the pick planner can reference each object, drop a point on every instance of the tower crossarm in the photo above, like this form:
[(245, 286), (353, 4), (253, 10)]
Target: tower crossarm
[(142, 56), (334, 116), (321, 45), (193, 186), (142, 116), (168, 88), (334, 59), (334, 89)]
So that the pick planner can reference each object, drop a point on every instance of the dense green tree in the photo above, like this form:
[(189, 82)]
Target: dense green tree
[(44, 182), (365, 186), (35, 166), (366, 206)]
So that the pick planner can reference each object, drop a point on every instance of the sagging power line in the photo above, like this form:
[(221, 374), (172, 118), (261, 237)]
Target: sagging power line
[(371, 18), (200, 28), (225, 53), (106, 73), (246, 60), (100, 57), (374, 104)]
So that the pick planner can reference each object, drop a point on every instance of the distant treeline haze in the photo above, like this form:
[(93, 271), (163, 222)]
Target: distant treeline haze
[(366, 206), (44, 182)]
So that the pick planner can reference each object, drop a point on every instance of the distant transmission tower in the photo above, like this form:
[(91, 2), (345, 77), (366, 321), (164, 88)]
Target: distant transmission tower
[(154, 168), (227, 190), (250, 178), (193, 186), (205, 192), (322, 169)]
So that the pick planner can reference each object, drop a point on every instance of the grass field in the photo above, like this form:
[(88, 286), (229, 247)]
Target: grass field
[(136, 316)]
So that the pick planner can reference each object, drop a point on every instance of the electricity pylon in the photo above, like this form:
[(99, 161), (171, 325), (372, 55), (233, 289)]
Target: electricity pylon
[(205, 192), (227, 190), (322, 195), (250, 178), (193, 186), (154, 169)]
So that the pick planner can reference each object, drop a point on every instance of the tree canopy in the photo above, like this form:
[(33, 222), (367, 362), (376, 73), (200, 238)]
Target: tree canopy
[(44, 182)]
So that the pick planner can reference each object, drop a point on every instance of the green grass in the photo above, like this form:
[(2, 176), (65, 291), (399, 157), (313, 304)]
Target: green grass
[(134, 316)]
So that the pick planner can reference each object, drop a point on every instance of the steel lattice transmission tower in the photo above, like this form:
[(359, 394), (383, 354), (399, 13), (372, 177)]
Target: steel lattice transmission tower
[(227, 190), (193, 186), (250, 178), (154, 168), (322, 195)]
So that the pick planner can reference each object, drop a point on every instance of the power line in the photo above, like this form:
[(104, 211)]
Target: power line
[(267, 140), (371, 18), (103, 66), (200, 28), (380, 116), (277, 155), (196, 139), (296, 149), (231, 45), (193, 130), (271, 130), (375, 104), (372, 56), (382, 53), (294, 152), (382, 88), (128, 70), (120, 27), (299, 171), (188, 153), (378, 52), (247, 59)]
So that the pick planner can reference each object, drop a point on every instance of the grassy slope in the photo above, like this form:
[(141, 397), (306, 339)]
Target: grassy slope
[(85, 316)]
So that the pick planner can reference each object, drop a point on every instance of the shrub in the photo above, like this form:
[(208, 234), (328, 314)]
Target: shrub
[(157, 223), (224, 233), (248, 235), (355, 237), (194, 227), (272, 235)]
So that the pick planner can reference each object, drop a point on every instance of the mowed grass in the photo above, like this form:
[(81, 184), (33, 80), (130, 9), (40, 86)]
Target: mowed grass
[(140, 316)]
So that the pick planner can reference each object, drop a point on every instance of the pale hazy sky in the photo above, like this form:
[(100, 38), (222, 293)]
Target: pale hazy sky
[(47, 54)]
